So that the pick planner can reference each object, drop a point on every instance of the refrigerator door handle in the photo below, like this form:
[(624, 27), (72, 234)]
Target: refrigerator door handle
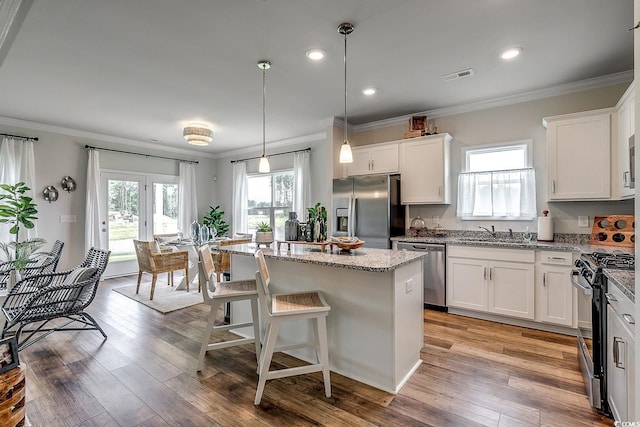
[(354, 213)]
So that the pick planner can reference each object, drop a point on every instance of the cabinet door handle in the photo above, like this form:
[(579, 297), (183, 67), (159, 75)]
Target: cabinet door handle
[(618, 343), (491, 273), (553, 186), (372, 167), (629, 319), (544, 279), (625, 179), (440, 191), (485, 273), (610, 297), (556, 258)]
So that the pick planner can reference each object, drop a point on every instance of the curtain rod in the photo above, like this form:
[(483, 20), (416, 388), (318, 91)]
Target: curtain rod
[(139, 154), (26, 138), (271, 155)]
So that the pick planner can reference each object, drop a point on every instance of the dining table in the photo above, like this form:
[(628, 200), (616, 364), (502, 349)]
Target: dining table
[(191, 248)]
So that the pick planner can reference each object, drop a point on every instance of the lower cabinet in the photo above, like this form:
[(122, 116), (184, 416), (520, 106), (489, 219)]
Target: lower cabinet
[(555, 295), (493, 280), (621, 358)]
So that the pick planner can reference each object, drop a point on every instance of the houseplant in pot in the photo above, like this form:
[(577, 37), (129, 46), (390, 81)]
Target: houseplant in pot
[(264, 234), (17, 210), (215, 221)]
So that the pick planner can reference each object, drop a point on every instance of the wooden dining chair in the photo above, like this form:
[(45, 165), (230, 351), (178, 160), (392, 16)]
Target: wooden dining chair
[(215, 295), (222, 260), (152, 260), (280, 308)]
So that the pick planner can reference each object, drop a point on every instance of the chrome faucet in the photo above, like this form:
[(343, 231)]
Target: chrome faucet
[(492, 231), (511, 234)]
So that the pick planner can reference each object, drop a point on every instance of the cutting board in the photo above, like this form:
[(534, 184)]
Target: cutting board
[(614, 230)]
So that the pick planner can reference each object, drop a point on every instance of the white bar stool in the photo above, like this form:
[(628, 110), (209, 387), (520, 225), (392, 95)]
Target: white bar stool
[(280, 308), (224, 292)]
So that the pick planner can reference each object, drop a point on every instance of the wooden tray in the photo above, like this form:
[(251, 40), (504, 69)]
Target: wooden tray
[(614, 230), (303, 242), (348, 246)]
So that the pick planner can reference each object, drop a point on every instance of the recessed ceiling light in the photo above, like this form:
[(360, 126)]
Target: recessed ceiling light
[(510, 53), (315, 54), (369, 91)]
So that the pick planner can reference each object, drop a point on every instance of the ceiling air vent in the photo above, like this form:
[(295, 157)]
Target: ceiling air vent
[(458, 74)]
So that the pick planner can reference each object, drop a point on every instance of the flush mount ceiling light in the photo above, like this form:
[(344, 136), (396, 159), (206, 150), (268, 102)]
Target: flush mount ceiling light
[(263, 167), (315, 54), (345, 149), (369, 91), (510, 53), (198, 134)]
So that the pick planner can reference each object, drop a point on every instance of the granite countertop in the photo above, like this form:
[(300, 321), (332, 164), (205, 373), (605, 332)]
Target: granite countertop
[(365, 259), (623, 280)]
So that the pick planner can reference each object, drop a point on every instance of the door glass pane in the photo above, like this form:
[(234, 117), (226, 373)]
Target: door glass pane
[(280, 216), (124, 218), (283, 189), (165, 208)]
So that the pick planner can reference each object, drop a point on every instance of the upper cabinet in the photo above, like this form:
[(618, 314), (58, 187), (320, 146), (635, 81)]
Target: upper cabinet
[(624, 179), (424, 166), (579, 155), (374, 158)]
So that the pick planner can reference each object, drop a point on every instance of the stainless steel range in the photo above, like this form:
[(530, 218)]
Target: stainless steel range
[(588, 277)]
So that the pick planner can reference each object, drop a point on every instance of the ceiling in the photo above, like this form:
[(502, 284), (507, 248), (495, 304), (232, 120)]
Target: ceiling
[(144, 69)]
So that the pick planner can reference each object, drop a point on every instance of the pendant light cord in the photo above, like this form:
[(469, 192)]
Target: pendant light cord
[(264, 73), (345, 86)]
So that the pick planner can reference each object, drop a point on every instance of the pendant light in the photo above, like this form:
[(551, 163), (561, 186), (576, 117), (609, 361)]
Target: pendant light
[(345, 148), (263, 167)]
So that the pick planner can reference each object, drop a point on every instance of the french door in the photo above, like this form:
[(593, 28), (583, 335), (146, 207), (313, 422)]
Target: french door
[(137, 206)]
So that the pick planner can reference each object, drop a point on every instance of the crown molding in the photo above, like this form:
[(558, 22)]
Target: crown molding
[(275, 144), (593, 83), (93, 136)]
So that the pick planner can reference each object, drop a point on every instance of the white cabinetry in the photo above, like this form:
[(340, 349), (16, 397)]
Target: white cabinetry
[(493, 280), (375, 158), (620, 355), (555, 295), (579, 155), (424, 166), (626, 129)]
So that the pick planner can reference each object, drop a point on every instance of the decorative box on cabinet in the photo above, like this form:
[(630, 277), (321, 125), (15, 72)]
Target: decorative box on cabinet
[(626, 129), (493, 280), (425, 170), (579, 155), (555, 295), (373, 159)]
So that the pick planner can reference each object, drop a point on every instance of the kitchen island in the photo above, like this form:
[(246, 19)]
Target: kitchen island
[(375, 327)]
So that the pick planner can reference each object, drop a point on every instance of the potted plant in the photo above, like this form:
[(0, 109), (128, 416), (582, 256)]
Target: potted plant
[(17, 210), (215, 221), (264, 234)]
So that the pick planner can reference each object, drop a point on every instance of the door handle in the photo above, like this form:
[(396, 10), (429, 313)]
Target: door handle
[(553, 186), (610, 297), (625, 180), (485, 273), (617, 344), (544, 279), (629, 319), (440, 191)]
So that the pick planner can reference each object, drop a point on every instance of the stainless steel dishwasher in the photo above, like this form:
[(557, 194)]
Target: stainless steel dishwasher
[(433, 272)]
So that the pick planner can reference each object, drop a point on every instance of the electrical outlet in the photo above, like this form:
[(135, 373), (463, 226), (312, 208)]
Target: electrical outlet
[(68, 218), (583, 221), (409, 285)]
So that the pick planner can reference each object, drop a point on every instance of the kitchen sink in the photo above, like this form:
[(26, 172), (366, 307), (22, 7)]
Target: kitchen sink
[(492, 240)]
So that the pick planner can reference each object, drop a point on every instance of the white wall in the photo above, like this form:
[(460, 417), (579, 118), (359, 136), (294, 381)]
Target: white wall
[(58, 155), (512, 123)]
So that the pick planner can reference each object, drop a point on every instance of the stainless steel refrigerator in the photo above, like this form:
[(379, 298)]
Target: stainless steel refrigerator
[(368, 207)]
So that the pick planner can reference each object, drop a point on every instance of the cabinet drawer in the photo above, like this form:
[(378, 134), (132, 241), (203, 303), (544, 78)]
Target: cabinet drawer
[(622, 305), (556, 258)]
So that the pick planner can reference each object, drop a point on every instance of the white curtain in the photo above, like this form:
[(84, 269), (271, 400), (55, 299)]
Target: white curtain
[(240, 193), (509, 194), (187, 201), (17, 164), (94, 236), (301, 183)]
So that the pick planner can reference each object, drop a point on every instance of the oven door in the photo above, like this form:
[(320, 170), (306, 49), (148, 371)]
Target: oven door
[(585, 335)]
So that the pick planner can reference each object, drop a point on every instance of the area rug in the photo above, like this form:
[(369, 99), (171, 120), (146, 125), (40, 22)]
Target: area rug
[(165, 299)]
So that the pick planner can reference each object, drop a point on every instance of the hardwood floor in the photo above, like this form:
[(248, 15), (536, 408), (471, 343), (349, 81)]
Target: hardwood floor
[(474, 373)]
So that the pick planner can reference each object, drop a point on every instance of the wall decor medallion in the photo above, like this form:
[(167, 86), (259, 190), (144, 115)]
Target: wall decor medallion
[(50, 193), (68, 184)]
